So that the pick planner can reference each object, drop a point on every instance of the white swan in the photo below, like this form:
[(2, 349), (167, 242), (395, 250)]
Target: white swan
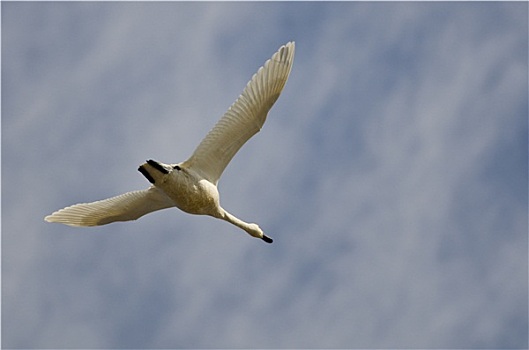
[(192, 185)]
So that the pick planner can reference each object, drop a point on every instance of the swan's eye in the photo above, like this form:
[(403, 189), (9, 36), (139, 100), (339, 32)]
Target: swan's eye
[(176, 167)]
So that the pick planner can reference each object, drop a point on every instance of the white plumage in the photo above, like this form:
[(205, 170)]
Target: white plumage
[(192, 184)]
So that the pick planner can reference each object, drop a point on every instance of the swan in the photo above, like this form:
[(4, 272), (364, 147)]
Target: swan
[(191, 185)]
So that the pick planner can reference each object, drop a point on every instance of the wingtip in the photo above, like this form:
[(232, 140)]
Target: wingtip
[(58, 219), (289, 45), (52, 217), (288, 51)]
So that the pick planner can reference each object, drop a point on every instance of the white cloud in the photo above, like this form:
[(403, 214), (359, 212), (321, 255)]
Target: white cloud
[(389, 173)]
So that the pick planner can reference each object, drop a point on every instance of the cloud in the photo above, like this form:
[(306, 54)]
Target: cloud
[(392, 174)]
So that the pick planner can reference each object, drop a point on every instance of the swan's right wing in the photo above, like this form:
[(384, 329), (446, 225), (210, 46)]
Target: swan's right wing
[(244, 118), (125, 207)]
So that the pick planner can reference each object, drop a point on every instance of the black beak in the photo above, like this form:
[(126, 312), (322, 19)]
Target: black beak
[(267, 239)]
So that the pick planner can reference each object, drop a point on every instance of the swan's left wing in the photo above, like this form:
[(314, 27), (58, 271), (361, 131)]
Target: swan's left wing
[(244, 118), (125, 207)]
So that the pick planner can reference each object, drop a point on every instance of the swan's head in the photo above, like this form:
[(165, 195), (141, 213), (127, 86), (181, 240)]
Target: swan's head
[(255, 231)]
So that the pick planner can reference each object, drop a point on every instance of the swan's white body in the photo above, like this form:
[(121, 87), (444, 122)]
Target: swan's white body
[(192, 185)]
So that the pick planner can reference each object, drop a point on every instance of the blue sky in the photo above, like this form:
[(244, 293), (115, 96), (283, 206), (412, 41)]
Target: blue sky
[(391, 173)]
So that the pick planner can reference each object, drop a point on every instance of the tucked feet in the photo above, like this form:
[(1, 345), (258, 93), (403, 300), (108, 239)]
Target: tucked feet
[(145, 173), (154, 170), (158, 166)]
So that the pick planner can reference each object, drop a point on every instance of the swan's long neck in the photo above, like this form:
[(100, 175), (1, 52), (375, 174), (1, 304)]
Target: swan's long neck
[(252, 229), (239, 223)]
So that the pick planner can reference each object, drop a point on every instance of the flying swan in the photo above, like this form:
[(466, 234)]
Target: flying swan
[(192, 185)]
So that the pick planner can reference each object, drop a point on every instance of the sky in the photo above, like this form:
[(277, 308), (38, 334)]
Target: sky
[(391, 173)]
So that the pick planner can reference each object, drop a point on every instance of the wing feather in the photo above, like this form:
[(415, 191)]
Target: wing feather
[(244, 118), (125, 207)]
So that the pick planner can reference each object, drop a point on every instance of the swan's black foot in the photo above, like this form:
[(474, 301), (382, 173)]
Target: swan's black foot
[(147, 169), (157, 166), (145, 173), (267, 239)]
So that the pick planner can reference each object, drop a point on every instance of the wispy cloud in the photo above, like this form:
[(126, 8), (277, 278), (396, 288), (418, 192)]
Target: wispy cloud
[(392, 173)]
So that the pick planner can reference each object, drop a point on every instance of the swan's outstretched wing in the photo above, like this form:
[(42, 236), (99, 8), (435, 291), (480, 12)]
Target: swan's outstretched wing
[(128, 206), (244, 118)]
